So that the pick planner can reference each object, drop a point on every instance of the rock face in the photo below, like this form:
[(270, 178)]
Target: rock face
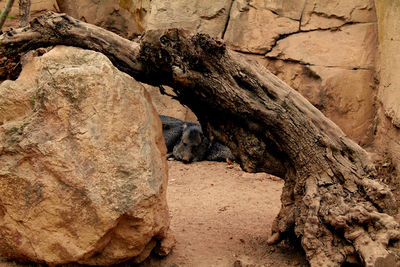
[(389, 39), (126, 18), (389, 84), (351, 47), (255, 26), (82, 168), (325, 14), (208, 16)]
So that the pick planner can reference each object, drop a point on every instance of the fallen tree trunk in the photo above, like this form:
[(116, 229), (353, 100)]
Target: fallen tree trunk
[(330, 200)]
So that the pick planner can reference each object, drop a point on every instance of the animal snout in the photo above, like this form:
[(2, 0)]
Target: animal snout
[(186, 160)]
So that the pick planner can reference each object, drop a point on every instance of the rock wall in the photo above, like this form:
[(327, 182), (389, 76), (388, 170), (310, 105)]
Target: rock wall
[(389, 47), (83, 171), (389, 79), (126, 18), (197, 15)]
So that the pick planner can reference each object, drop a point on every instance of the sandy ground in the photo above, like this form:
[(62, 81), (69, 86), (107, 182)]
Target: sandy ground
[(220, 216)]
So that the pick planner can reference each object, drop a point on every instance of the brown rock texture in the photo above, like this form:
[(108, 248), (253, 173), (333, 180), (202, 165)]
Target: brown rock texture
[(325, 14), (254, 28), (208, 16), (389, 80), (82, 168), (352, 46), (126, 18), (389, 40)]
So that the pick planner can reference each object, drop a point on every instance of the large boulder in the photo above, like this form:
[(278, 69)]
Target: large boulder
[(83, 173)]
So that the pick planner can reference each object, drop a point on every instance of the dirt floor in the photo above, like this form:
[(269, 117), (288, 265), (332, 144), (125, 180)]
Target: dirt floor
[(221, 216)]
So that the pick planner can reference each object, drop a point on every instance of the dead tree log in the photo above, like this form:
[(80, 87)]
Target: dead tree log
[(330, 200)]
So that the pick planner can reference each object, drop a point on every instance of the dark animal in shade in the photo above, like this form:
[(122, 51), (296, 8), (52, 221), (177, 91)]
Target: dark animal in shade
[(187, 143)]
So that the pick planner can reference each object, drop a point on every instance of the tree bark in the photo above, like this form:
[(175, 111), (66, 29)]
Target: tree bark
[(331, 200)]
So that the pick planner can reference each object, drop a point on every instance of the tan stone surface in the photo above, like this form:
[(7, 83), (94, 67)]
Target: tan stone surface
[(207, 16), (82, 166), (139, 10), (126, 18), (131, 17), (254, 28), (323, 14), (352, 46), (389, 48), (285, 8), (389, 79)]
